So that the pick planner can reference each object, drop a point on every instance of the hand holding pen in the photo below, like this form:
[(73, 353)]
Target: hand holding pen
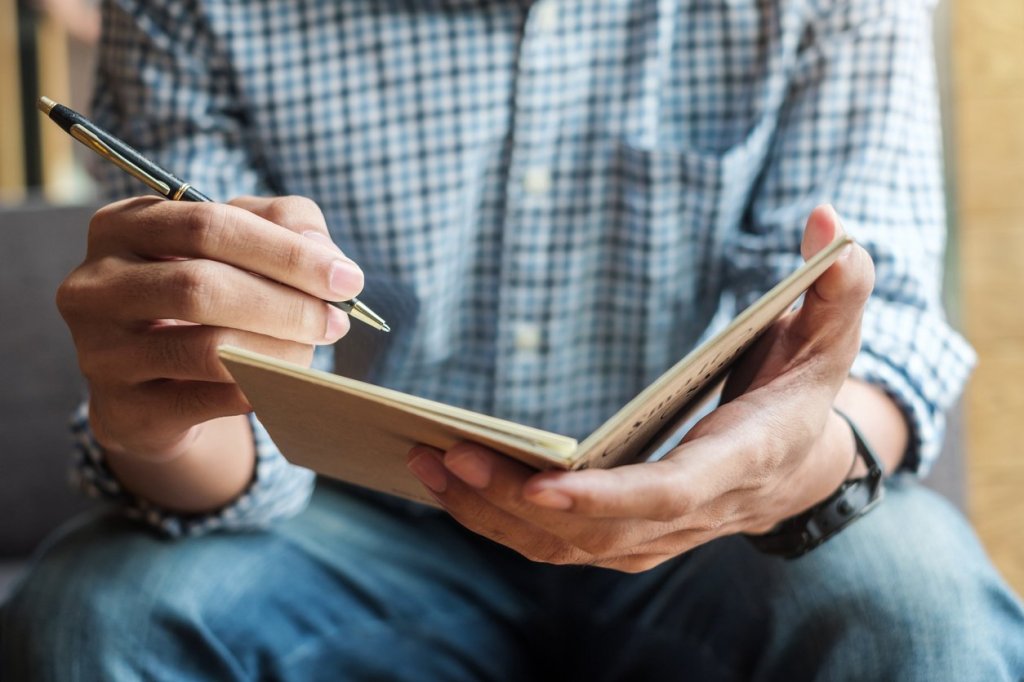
[(161, 181), (164, 283)]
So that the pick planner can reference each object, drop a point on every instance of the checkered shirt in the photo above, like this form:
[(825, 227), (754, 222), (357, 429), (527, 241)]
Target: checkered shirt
[(570, 190)]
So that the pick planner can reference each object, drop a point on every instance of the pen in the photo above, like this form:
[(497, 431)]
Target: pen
[(159, 180)]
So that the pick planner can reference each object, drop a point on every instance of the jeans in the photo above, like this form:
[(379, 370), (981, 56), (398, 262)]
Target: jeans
[(359, 588)]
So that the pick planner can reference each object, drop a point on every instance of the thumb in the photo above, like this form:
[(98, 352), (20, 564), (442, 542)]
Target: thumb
[(835, 302)]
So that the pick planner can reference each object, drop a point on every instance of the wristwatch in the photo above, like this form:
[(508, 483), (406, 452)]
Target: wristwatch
[(800, 534)]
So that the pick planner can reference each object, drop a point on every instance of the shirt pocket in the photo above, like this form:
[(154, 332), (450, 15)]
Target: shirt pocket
[(677, 208)]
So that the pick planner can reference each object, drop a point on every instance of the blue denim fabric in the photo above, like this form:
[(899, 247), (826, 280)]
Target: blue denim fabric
[(357, 588)]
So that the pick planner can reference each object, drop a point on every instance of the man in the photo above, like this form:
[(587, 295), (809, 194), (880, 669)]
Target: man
[(570, 191)]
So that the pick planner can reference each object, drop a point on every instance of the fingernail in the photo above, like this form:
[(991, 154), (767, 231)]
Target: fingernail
[(337, 324), (429, 471), (346, 279), (321, 238), (470, 467), (552, 499)]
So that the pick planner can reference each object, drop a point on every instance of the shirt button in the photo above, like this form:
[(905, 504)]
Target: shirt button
[(546, 19), (527, 337), (537, 180)]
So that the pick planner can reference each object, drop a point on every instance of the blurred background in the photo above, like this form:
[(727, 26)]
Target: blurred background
[(46, 48), (46, 198)]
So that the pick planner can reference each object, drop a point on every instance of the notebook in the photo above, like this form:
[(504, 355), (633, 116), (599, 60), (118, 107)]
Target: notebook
[(361, 433)]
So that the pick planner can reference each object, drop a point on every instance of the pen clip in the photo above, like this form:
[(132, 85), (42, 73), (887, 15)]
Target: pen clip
[(88, 138)]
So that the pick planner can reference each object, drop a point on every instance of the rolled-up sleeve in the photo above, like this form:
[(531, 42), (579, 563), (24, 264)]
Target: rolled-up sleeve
[(860, 129), (165, 87)]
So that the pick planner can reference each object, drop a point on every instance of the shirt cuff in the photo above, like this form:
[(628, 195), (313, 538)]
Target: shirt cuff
[(922, 363), (278, 489)]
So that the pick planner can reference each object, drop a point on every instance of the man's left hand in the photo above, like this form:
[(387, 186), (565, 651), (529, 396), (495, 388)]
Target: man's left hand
[(773, 448)]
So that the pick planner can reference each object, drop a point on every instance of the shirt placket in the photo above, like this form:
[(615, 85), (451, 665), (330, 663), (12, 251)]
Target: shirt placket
[(525, 321)]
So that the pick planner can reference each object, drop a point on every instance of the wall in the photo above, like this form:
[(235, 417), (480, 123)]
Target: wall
[(988, 69)]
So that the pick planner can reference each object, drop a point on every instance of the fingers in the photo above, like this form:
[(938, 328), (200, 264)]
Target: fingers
[(154, 229), (202, 292), (480, 516), (558, 500), (164, 283), (502, 480), (485, 492), (676, 489), (298, 214), (180, 352)]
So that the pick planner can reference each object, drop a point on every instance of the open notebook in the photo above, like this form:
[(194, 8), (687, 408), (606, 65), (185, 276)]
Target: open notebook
[(360, 433)]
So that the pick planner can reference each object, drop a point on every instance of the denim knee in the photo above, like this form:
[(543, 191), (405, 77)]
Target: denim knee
[(342, 591), (906, 593), (109, 600)]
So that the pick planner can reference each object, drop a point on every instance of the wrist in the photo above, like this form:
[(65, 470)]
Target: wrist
[(884, 424), (858, 466), (836, 457), (215, 468), (853, 498), (156, 451)]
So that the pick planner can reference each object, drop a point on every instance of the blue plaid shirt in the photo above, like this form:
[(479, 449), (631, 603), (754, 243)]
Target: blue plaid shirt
[(570, 189)]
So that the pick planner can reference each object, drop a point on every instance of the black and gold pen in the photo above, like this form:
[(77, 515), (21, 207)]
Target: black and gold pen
[(159, 180)]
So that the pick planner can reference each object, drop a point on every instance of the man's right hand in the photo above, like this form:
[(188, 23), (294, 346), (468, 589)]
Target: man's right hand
[(165, 283)]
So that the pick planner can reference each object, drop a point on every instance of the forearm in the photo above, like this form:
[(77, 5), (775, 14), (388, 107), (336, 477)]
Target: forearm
[(214, 470)]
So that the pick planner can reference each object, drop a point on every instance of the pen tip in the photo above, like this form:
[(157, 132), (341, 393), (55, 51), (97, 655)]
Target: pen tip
[(361, 312), (45, 104)]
